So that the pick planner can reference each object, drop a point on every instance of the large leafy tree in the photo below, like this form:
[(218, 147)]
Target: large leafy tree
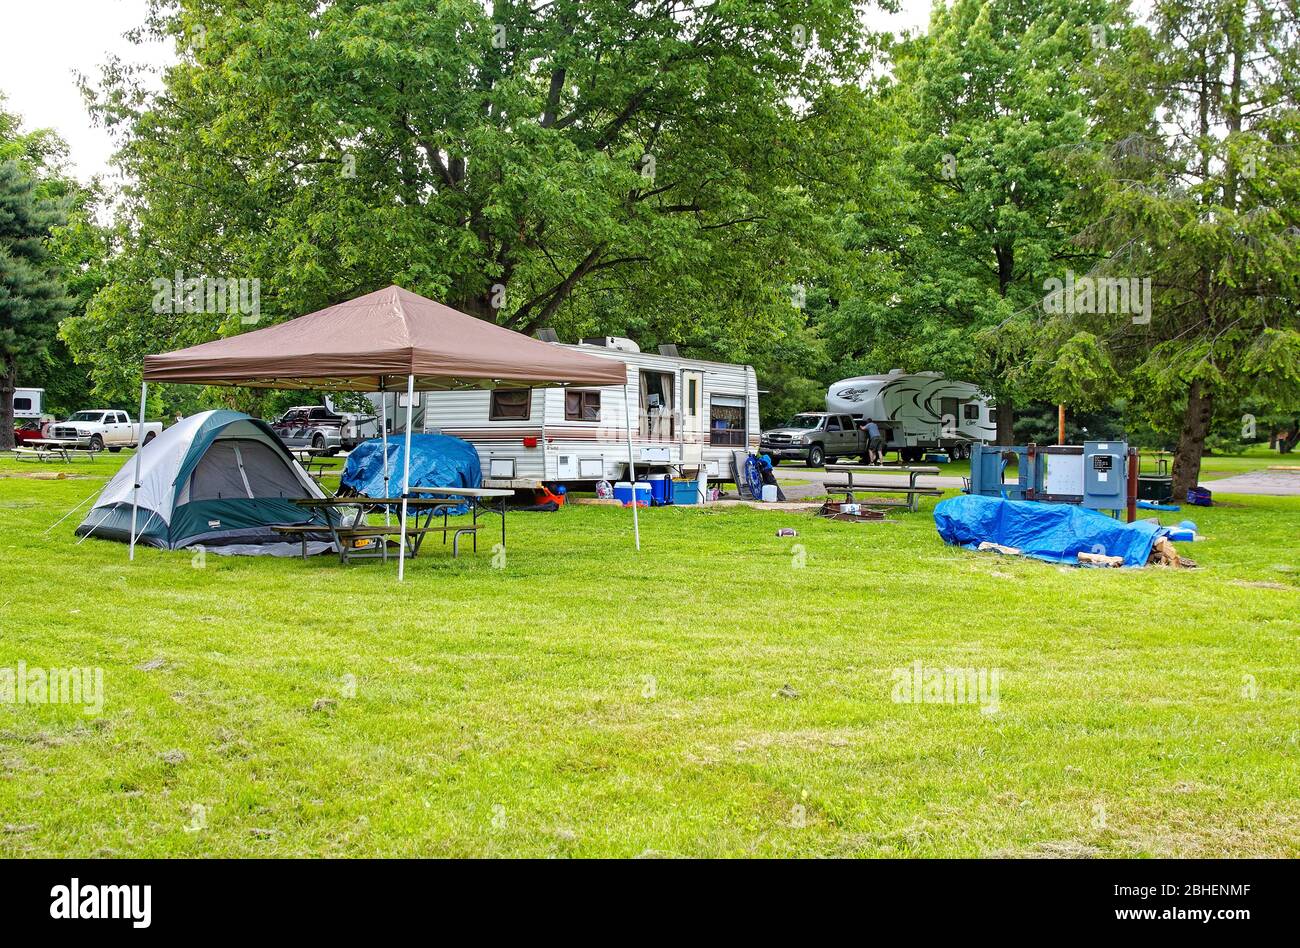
[(653, 167), (975, 211), (1201, 196)]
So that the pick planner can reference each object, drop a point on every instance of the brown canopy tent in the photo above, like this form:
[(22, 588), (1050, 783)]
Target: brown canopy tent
[(383, 342)]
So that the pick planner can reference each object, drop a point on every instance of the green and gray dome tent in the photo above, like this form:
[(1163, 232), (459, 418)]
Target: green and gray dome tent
[(219, 479)]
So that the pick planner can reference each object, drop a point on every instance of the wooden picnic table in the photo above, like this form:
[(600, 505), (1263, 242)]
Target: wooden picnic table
[(57, 446), (320, 464), (913, 492), (475, 496), (420, 509)]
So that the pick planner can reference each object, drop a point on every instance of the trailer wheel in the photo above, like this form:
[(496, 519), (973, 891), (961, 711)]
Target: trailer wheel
[(816, 456)]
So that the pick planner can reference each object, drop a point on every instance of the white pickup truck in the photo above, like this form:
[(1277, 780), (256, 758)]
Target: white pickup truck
[(103, 428)]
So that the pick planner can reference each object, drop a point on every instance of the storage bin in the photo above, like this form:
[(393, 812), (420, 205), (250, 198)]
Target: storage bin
[(686, 492), (1155, 487)]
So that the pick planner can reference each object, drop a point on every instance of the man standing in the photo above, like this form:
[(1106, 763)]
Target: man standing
[(875, 444)]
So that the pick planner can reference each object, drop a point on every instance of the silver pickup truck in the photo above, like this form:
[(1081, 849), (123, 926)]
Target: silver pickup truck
[(816, 438), (323, 430)]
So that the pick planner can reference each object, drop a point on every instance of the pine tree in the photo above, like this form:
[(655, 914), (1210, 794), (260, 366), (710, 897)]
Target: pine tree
[(32, 298)]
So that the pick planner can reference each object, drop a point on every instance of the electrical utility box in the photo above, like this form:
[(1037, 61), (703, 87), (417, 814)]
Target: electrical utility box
[(1096, 474), (1105, 475)]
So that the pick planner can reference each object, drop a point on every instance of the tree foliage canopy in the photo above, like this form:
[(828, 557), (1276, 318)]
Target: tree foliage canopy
[(657, 168)]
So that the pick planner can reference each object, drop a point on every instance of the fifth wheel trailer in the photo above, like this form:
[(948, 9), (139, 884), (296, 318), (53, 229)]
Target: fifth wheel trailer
[(689, 413), (918, 411)]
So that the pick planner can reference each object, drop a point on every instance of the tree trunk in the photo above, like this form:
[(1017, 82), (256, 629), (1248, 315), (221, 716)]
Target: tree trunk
[(1006, 420), (8, 382), (1191, 442), (479, 306)]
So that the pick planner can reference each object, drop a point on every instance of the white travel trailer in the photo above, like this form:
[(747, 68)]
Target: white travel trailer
[(918, 411), (27, 403), (690, 413)]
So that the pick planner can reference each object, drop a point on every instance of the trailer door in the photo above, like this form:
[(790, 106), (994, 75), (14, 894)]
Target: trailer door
[(692, 406)]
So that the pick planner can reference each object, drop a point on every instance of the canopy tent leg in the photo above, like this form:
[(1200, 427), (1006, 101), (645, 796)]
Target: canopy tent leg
[(631, 468), (383, 429), (406, 477), (135, 484)]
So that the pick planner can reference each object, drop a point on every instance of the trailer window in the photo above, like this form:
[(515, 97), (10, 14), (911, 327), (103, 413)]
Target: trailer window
[(581, 406), (971, 411), (510, 404), (656, 405), (727, 420), (22, 404)]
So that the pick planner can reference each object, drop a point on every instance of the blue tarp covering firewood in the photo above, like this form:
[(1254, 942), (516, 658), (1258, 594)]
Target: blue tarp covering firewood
[(436, 461), (1054, 532)]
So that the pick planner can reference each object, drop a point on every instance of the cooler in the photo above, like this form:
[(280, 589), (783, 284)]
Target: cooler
[(623, 491), (660, 489)]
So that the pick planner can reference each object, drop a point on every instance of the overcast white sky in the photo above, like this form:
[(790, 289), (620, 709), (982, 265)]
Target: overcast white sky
[(44, 44)]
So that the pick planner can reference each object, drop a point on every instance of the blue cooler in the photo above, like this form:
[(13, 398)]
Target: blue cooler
[(623, 492), (660, 489), (685, 492)]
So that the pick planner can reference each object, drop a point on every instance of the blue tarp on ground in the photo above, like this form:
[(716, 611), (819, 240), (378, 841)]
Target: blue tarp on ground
[(436, 461), (1055, 532)]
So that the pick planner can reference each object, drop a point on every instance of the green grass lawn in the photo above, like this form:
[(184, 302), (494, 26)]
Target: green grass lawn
[(586, 700)]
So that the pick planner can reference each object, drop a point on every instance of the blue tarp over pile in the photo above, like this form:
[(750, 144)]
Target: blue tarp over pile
[(436, 461), (1055, 532)]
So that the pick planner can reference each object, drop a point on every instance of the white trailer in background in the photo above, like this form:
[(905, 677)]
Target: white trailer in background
[(27, 403), (692, 413), (918, 411)]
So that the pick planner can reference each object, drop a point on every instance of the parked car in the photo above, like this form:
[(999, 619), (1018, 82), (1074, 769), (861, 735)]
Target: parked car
[(814, 437), (103, 428), (26, 430)]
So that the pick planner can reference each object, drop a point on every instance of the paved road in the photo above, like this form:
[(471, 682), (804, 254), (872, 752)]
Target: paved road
[(1271, 483)]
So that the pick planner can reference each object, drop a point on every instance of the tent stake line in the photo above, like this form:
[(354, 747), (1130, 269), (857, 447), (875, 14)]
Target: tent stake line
[(70, 513)]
